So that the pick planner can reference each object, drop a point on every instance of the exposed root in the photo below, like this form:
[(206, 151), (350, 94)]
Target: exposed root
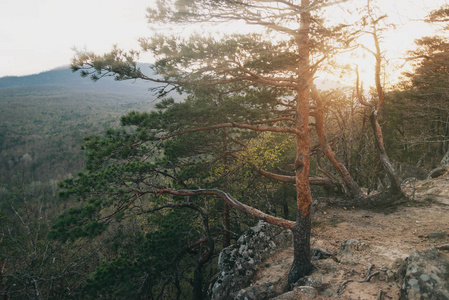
[(380, 296), (367, 278)]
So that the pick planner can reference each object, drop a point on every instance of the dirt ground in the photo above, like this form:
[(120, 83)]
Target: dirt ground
[(386, 239)]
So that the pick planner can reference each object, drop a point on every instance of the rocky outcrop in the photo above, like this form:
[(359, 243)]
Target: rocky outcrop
[(426, 276), (238, 263)]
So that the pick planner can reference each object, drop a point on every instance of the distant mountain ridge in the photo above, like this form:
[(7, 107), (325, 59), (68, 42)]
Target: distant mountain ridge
[(64, 77)]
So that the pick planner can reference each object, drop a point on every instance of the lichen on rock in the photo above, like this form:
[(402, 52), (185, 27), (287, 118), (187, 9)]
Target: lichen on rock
[(238, 263), (426, 276)]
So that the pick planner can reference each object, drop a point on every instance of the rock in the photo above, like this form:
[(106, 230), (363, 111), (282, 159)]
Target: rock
[(348, 251), (311, 281), (351, 246), (438, 235), (396, 271), (307, 291), (300, 292), (238, 263), (318, 253), (426, 276), (266, 290), (287, 296)]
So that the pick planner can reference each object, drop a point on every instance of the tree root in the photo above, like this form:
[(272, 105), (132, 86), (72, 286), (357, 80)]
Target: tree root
[(380, 296), (367, 278)]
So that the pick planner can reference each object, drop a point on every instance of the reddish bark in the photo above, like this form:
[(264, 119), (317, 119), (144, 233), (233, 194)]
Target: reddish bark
[(301, 232)]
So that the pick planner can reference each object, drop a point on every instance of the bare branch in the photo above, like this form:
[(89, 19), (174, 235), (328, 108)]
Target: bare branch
[(228, 199)]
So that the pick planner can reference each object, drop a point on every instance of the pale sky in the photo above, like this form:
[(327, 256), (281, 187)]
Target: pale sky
[(39, 35)]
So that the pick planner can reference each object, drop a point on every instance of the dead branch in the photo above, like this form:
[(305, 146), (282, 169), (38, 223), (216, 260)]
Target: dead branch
[(228, 199)]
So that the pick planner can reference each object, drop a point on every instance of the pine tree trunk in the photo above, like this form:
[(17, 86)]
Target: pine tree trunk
[(302, 265), (301, 231)]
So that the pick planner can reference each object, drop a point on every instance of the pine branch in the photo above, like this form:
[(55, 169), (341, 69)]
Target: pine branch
[(229, 125)]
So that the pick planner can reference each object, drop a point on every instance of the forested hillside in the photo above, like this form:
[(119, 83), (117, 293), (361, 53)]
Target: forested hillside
[(45, 126), (130, 189), (44, 120), (46, 116)]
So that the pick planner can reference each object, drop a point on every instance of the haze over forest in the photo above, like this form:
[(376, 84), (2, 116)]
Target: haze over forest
[(124, 180)]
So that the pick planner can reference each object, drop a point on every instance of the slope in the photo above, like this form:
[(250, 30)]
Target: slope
[(382, 239)]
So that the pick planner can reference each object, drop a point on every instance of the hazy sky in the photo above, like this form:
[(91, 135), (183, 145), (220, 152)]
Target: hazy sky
[(38, 35)]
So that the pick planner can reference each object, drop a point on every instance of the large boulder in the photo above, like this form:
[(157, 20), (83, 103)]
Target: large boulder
[(426, 276), (238, 263)]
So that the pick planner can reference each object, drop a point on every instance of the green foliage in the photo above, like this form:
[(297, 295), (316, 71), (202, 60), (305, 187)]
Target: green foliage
[(177, 54), (43, 127), (124, 165), (78, 222), (148, 265), (41, 133), (431, 72), (118, 63), (417, 112)]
